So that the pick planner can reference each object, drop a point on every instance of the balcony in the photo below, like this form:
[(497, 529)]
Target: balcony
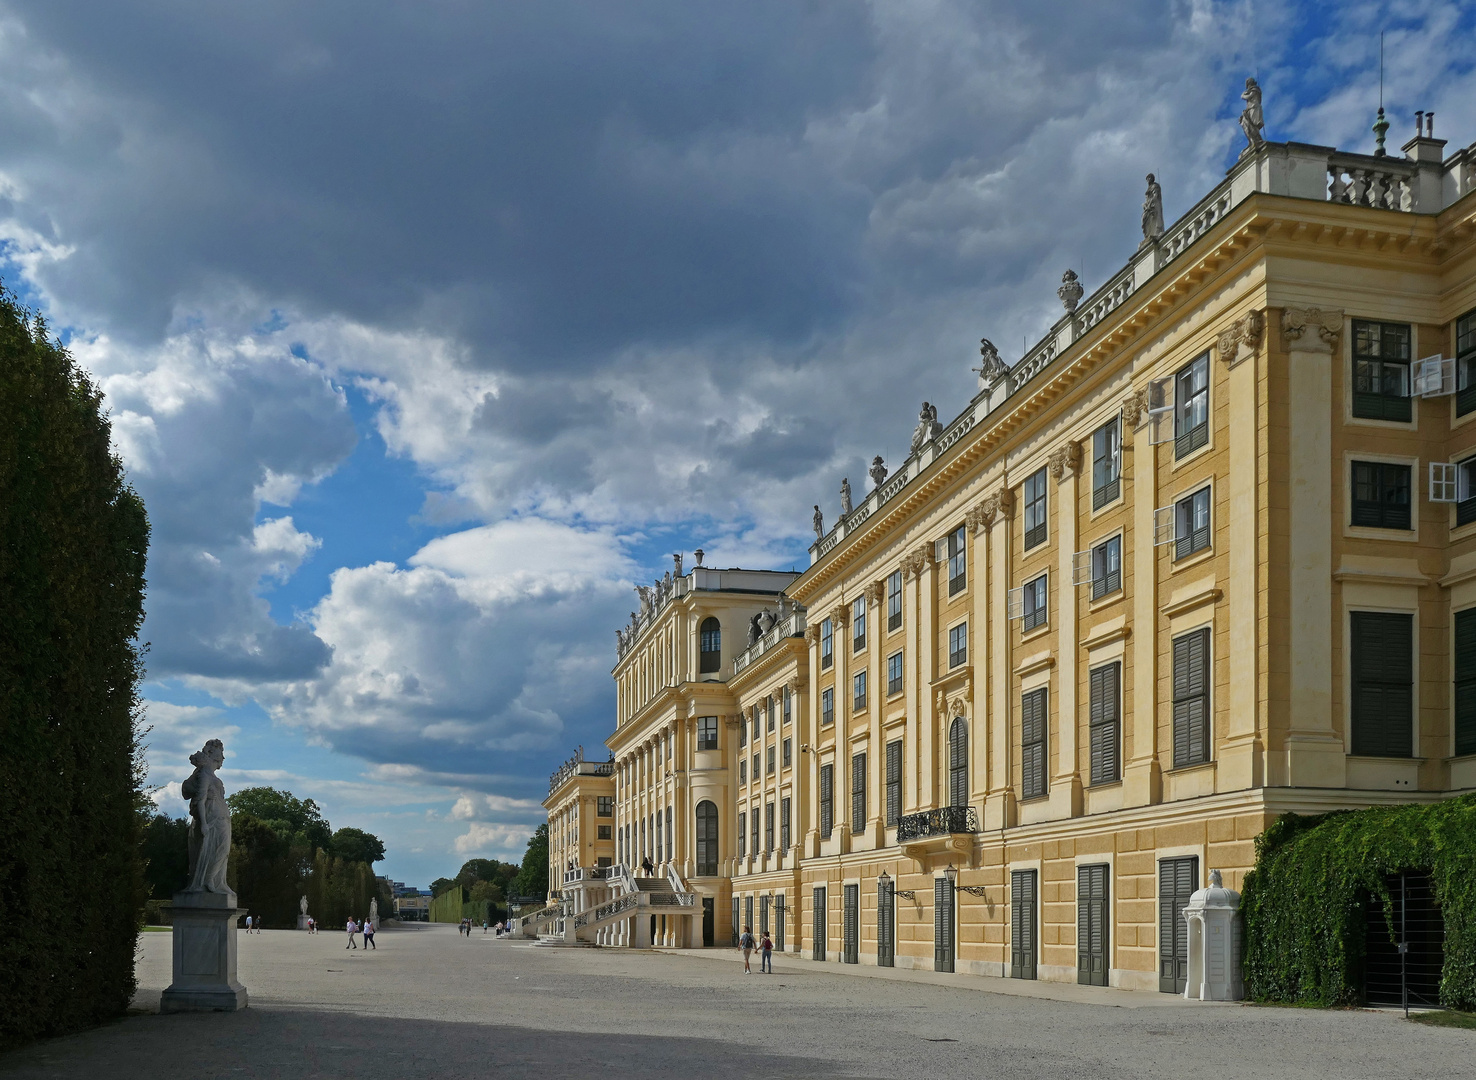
[(948, 829)]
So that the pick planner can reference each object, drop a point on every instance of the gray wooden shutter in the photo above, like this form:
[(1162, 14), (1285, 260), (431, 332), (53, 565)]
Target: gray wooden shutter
[(1465, 682), (958, 763), (1033, 744), (1383, 683), (1191, 698), (1177, 880), (737, 923), (942, 925), (894, 782), (827, 800), (1022, 924), (851, 925), (1091, 925), (1105, 723), (818, 949), (858, 792), (779, 923), (886, 946)]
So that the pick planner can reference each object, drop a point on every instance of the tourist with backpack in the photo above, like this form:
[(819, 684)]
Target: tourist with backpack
[(745, 942), (766, 960)]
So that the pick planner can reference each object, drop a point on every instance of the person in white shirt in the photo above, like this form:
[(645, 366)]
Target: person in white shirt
[(248, 924), (353, 928)]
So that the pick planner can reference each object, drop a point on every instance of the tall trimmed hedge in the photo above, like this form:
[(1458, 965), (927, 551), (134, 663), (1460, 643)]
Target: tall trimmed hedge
[(1305, 902), (73, 540)]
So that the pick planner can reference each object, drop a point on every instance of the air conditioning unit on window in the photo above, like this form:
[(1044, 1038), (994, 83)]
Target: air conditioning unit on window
[(1435, 376)]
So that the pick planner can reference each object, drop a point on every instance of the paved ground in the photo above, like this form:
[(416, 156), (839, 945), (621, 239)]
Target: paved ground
[(431, 1003)]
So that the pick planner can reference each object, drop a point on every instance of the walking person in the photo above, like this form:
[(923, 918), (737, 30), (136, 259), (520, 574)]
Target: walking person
[(648, 867), (369, 936), (353, 928), (745, 942), (766, 960), (248, 924)]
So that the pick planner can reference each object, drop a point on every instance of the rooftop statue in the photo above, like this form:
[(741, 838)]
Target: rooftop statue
[(1152, 211), (991, 368), (878, 470), (210, 821), (1070, 291), (1252, 119), (845, 496), (927, 427), (818, 523)]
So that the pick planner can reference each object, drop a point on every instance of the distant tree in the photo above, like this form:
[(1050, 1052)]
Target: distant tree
[(73, 543), (166, 852), (486, 890), (442, 885), (494, 870), (294, 818), (532, 879), (356, 845), (265, 870)]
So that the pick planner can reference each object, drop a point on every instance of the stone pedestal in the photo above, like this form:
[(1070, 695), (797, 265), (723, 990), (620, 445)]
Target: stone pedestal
[(302, 922), (204, 955)]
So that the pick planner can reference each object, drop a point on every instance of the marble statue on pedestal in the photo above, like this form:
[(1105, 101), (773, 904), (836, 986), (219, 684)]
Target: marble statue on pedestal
[(374, 913), (927, 427), (818, 523), (878, 470), (204, 912), (991, 368), (845, 494)]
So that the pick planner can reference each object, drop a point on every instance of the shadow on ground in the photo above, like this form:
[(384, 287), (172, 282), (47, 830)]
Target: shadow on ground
[(301, 1043)]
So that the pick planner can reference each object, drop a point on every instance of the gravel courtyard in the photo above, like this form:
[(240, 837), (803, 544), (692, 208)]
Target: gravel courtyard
[(432, 1003)]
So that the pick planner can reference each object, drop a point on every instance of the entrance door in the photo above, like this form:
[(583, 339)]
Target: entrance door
[(779, 923), (851, 925), (886, 932), (1091, 925), (942, 925), (1177, 880), (1420, 927), (737, 921), (1022, 924), (709, 922), (819, 932)]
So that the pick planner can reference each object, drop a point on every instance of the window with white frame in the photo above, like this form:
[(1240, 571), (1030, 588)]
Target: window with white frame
[(894, 673), (1106, 463), (958, 644), (1035, 509), (894, 601)]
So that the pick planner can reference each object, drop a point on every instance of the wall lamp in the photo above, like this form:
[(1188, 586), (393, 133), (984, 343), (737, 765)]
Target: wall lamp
[(952, 875), (884, 879)]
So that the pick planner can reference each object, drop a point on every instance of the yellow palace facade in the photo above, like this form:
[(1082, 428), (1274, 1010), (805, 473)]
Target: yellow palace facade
[(1204, 555)]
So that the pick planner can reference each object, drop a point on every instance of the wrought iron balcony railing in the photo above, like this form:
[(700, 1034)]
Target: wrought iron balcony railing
[(940, 822)]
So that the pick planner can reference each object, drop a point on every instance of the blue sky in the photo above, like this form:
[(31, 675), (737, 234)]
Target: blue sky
[(429, 332)]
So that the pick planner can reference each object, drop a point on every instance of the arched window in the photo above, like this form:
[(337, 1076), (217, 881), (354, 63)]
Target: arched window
[(712, 647), (958, 763), (707, 839)]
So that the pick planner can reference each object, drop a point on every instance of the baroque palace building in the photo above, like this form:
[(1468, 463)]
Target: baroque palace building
[(1204, 555)]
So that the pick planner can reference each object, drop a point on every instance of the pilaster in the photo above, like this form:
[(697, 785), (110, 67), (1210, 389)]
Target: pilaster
[(1065, 792), (1142, 777), (999, 803)]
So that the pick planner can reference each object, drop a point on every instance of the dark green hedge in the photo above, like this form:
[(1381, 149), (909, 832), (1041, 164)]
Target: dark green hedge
[(73, 539), (1304, 903)]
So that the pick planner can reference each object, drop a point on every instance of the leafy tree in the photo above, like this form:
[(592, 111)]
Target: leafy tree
[(166, 852), (356, 845), (441, 886), (486, 890), (264, 869), (296, 819), (73, 543), (493, 870), (532, 879)]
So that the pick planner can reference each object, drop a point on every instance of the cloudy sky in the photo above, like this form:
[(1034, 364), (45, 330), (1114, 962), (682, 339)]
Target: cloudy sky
[(429, 329)]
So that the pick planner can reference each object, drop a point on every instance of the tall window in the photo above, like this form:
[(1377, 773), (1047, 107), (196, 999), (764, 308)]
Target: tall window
[(858, 792), (894, 673), (1034, 603), (742, 833), (1191, 406), (1035, 509), (743, 770), (788, 715), (1106, 463), (1107, 567), (958, 762), (827, 706), (827, 644), (707, 733), (858, 690), (894, 781), (768, 827), (827, 801), (1381, 370), (958, 571), (769, 761), (858, 624), (894, 601), (711, 635), (1191, 698), (1383, 683), (784, 824), (958, 644), (707, 839), (1465, 682), (1192, 523), (753, 821), (755, 767), (787, 756), (769, 712), (1466, 363), (670, 836), (604, 806), (1380, 495), (1106, 723), (1033, 744)]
